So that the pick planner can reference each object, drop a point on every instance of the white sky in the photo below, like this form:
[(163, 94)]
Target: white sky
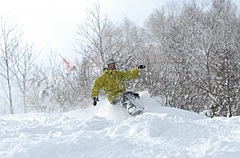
[(51, 24)]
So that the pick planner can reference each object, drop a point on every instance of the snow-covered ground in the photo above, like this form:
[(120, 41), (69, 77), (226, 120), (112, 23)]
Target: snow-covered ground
[(107, 131)]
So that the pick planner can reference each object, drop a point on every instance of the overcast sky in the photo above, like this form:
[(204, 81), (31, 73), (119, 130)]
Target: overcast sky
[(50, 24)]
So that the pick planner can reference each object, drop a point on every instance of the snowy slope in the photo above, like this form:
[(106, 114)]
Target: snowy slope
[(107, 131)]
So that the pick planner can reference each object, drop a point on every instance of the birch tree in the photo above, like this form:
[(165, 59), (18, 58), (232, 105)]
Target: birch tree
[(22, 69), (95, 38), (10, 38)]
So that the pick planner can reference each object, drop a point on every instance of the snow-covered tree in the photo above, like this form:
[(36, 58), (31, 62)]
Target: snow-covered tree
[(194, 39)]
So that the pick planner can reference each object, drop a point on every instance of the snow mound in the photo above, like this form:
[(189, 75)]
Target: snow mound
[(100, 132), (118, 113)]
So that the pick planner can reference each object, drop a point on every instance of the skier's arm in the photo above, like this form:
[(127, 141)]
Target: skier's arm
[(131, 74), (97, 86)]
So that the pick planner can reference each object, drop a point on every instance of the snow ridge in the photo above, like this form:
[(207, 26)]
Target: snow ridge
[(106, 131)]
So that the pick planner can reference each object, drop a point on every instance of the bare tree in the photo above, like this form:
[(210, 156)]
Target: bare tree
[(96, 37), (35, 92), (22, 69), (10, 38)]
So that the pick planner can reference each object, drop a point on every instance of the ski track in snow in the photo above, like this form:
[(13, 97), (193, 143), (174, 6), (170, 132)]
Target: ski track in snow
[(108, 131)]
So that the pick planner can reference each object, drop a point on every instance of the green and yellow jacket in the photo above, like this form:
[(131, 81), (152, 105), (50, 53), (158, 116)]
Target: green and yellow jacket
[(112, 81)]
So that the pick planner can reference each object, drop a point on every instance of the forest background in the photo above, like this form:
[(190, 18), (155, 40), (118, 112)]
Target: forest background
[(191, 52)]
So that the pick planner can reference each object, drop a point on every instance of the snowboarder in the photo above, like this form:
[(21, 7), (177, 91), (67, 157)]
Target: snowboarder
[(112, 81)]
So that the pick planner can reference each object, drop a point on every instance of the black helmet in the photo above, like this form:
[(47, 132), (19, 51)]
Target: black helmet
[(110, 61)]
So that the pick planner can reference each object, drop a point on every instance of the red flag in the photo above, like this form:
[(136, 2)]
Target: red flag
[(67, 64)]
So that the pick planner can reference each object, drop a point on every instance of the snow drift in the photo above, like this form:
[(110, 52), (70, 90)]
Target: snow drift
[(107, 131)]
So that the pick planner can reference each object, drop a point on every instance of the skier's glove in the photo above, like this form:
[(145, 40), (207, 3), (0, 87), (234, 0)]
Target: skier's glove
[(141, 67), (95, 100)]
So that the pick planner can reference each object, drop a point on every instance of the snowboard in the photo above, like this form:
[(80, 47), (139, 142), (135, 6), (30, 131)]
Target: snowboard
[(138, 112)]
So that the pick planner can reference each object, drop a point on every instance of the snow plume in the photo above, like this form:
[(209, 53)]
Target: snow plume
[(112, 112), (106, 131), (118, 113)]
